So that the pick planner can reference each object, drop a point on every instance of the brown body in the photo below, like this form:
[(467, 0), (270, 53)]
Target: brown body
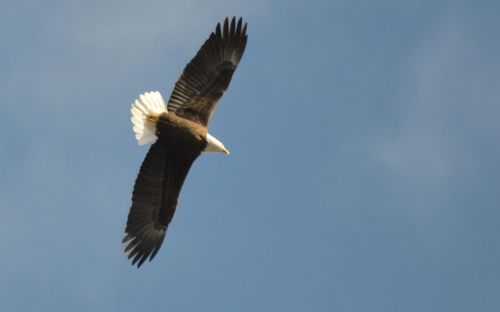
[(181, 134)]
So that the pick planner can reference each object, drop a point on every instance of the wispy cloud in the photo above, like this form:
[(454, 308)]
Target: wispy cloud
[(456, 81)]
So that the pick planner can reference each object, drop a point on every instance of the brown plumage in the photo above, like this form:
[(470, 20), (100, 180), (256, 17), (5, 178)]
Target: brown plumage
[(181, 137), (207, 76)]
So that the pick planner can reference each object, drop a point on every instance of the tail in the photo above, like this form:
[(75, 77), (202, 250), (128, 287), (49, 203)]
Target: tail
[(145, 112)]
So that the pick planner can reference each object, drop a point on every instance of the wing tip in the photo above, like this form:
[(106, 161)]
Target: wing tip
[(230, 27), (141, 249)]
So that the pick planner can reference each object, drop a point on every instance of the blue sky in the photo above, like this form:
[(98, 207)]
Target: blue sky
[(363, 174)]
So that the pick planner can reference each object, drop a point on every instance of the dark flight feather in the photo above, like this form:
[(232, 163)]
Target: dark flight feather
[(154, 200), (209, 73)]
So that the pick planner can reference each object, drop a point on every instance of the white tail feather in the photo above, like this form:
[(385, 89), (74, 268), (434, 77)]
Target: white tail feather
[(148, 104)]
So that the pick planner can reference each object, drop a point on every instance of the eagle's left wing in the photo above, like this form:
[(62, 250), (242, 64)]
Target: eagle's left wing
[(154, 200)]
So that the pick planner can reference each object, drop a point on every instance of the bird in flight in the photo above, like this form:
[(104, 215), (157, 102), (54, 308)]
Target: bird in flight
[(178, 132)]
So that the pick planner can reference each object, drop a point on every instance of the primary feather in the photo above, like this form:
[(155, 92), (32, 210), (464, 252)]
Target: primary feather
[(207, 76)]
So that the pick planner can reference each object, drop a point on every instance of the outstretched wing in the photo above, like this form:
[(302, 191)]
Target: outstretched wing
[(209, 73), (154, 200)]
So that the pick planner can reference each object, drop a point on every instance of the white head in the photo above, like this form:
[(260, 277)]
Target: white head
[(215, 146)]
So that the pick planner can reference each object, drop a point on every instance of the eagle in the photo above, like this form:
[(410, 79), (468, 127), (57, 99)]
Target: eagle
[(178, 132)]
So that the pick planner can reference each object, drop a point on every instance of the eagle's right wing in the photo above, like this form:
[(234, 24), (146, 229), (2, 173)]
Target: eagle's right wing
[(207, 76)]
